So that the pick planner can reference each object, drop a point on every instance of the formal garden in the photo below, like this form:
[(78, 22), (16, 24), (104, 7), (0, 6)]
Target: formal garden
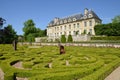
[(46, 63)]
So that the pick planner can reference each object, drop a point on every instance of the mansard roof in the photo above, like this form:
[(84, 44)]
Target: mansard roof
[(58, 21)]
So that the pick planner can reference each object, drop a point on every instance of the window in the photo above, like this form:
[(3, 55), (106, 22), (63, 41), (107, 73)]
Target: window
[(85, 16), (90, 31), (57, 23), (61, 27), (78, 25), (69, 26), (61, 22), (74, 25), (90, 15), (69, 32), (74, 19), (64, 33), (57, 28), (85, 24), (65, 27), (90, 23), (74, 32), (55, 34), (65, 21), (69, 20), (61, 33)]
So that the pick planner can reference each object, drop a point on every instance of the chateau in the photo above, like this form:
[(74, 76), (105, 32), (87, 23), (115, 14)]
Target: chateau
[(73, 25)]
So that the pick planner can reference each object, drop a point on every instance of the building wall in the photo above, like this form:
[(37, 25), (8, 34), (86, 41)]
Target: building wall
[(69, 28), (75, 27)]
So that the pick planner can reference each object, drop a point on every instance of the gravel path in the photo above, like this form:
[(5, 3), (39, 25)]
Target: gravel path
[(19, 65), (1, 75), (115, 75), (18, 78)]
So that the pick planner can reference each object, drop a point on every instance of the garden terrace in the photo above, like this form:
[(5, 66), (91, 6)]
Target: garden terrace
[(84, 63)]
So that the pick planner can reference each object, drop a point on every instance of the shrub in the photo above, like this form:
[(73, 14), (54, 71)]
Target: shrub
[(63, 38), (111, 29), (70, 39), (106, 38)]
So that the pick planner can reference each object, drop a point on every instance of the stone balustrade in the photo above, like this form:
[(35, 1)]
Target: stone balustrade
[(114, 45)]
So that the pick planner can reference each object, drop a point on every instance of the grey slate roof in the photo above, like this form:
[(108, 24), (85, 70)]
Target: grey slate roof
[(77, 17)]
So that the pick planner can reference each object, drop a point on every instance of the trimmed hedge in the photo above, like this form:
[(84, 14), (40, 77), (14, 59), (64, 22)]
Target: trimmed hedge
[(83, 61), (102, 73), (106, 38)]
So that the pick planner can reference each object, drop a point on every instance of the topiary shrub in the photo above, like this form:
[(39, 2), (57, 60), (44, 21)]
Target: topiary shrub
[(70, 39), (63, 38)]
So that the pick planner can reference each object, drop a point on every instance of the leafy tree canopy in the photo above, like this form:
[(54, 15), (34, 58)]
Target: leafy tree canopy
[(30, 31), (111, 29), (29, 27), (8, 34), (116, 19)]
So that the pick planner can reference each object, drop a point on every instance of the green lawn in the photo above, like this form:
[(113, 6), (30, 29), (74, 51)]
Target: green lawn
[(85, 63)]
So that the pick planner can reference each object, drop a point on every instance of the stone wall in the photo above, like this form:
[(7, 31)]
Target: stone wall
[(76, 38), (74, 44)]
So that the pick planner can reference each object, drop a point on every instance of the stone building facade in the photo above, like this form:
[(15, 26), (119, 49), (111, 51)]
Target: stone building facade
[(74, 25)]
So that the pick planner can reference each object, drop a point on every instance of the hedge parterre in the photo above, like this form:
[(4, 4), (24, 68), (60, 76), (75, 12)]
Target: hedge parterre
[(45, 62)]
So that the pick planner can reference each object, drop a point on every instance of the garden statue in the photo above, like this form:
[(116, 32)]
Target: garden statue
[(15, 45), (62, 51)]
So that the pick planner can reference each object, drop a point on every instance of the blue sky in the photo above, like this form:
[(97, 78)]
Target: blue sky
[(16, 12)]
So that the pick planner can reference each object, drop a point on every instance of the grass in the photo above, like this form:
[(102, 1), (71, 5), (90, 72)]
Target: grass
[(85, 63)]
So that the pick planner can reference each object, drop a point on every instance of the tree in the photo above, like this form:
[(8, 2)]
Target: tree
[(63, 38), (41, 33), (29, 29), (2, 21), (70, 39), (9, 34), (30, 37), (111, 29), (116, 19)]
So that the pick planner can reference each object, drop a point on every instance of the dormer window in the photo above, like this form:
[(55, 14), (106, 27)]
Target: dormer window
[(74, 19), (90, 15), (85, 16), (65, 21), (61, 22), (50, 24), (69, 20), (57, 23)]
